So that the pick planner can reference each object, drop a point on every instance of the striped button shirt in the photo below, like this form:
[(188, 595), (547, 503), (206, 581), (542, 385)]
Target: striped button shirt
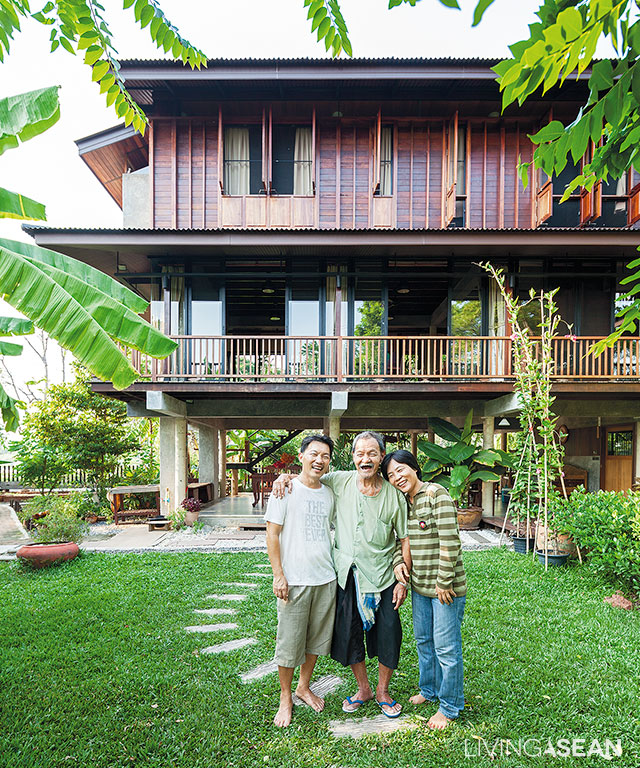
[(434, 538)]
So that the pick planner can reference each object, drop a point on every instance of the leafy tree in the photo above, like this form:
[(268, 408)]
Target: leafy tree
[(75, 428), (371, 316)]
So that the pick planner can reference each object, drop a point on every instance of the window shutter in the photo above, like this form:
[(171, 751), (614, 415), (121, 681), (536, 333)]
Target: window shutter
[(451, 171), (544, 201), (377, 154), (220, 152), (590, 200), (313, 152), (633, 207)]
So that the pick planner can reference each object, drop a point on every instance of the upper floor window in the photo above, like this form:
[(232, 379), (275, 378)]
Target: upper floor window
[(263, 158), (242, 160), (386, 161), (292, 160)]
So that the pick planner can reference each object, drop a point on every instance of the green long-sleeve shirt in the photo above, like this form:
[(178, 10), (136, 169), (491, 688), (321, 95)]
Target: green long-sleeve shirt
[(434, 538)]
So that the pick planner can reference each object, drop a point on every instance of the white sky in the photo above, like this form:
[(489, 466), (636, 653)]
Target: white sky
[(48, 167)]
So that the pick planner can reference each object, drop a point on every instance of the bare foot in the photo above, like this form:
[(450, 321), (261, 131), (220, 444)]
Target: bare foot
[(309, 697), (439, 721), (352, 703), (383, 698), (283, 715), (420, 699)]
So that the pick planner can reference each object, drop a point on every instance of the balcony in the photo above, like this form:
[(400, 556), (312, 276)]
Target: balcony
[(352, 359)]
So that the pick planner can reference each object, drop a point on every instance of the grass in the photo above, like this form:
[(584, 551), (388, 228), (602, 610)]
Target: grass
[(96, 670)]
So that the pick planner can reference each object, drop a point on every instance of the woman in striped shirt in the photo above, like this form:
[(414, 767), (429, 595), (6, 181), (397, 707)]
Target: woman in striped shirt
[(438, 586)]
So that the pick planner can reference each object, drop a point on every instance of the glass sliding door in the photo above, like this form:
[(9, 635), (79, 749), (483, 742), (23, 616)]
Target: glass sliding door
[(206, 325), (306, 354), (466, 356)]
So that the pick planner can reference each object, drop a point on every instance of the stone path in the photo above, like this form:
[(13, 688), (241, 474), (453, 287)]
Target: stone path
[(368, 726), (257, 673), (262, 575), (250, 584), (235, 598), (230, 645), (11, 531), (215, 611), (322, 687), (212, 627)]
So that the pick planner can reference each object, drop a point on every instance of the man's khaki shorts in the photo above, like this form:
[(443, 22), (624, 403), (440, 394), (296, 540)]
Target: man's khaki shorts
[(305, 623)]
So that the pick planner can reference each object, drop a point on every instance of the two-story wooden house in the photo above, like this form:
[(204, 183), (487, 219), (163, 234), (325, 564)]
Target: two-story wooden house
[(309, 231)]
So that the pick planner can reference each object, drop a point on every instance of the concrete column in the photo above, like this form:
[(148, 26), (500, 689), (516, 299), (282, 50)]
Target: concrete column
[(331, 427), (167, 464), (209, 458), (503, 441), (223, 462), (487, 488), (234, 482), (181, 468)]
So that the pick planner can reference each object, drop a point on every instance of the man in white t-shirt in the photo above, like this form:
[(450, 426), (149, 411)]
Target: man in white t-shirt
[(304, 579)]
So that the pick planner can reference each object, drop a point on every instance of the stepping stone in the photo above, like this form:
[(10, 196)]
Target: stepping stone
[(225, 597), (264, 575), (215, 611), (263, 565), (368, 726), (240, 584), (262, 670), (322, 687), (211, 627), (230, 645)]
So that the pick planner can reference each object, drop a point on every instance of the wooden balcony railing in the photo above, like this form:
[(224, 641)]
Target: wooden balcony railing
[(378, 358)]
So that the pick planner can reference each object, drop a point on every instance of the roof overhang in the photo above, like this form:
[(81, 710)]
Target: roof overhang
[(477, 243), (113, 152)]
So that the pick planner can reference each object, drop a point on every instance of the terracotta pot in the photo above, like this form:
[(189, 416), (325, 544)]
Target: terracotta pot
[(469, 518), (43, 555), (559, 543), (190, 518)]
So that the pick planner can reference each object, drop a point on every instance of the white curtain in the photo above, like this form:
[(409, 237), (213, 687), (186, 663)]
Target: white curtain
[(236, 161), (302, 157), (385, 161), (497, 327)]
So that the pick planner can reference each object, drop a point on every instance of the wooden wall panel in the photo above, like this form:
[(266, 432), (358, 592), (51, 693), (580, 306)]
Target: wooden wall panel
[(162, 164), (326, 175), (211, 181), (364, 181), (436, 139), (183, 171), (354, 178)]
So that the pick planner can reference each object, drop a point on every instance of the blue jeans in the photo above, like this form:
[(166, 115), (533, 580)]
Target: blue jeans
[(437, 631)]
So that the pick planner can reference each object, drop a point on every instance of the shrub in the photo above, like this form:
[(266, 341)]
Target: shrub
[(60, 524), (606, 527)]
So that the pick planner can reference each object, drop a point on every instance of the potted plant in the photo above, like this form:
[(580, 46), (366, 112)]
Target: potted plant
[(56, 535), (191, 510), (461, 463)]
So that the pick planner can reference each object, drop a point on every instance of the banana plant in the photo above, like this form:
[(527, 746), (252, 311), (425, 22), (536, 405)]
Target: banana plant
[(460, 463), (11, 326)]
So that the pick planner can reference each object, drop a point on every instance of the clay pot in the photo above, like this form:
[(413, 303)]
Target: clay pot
[(190, 518), (559, 543), (43, 555), (469, 518)]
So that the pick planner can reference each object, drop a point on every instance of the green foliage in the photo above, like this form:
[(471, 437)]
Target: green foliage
[(371, 315), (75, 428), (59, 525), (341, 458), (84, 310), (326, 17), (40, 464), (460, 463), (82, 28), (606, 526)]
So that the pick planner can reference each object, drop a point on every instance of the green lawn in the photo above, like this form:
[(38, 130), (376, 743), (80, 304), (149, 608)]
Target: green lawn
[(96, 670)]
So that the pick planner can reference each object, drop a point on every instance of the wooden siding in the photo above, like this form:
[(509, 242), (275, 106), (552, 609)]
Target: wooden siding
[(186, 191)]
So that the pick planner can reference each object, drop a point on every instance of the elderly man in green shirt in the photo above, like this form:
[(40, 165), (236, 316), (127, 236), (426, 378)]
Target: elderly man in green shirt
[(370, 515)]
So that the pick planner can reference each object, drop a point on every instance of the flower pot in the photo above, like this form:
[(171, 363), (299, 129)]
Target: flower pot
[(554, 560), (191, 517), (523, 544), (43, 555), (558, 543), (469, 518)]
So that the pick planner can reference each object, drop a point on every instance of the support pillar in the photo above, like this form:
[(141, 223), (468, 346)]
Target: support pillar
[(167, 464), (488, 489), (414, 442), (503, 441), (209, 459), (181, 469), (331, 427), (223, 462)]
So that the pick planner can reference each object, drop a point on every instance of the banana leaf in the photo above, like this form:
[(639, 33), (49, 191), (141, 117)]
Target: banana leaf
[(488, 457), (16, 206), (35, 294), (484, 474), (459, 475), (9, 410), (445, 429), (15, 326), (27, 115), (83, 272), (119, 322), (436, 452), (7, 348), (467, 429), (461, 452)]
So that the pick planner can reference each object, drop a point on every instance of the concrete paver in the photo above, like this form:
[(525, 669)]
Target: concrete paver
[(257, 673), (216, 611), (212, 627), (322, 687), (230, 645), (370, 726), (236, 598)]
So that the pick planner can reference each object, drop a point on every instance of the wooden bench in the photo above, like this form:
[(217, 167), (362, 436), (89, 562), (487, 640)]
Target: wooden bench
[(116, 499)]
